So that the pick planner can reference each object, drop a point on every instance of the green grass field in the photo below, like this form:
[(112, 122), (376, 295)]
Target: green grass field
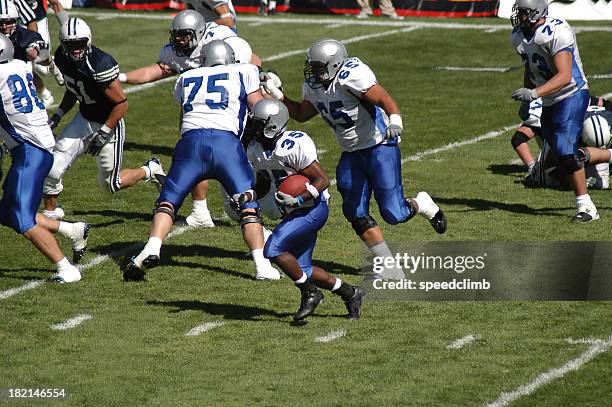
[(134, 350)]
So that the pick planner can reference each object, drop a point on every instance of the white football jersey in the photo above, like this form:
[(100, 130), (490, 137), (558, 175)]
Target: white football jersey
[(358, 124), (23, 117), (294, 151), (538, 53), (182, 63), (534, 114), (207, 7), (216, 97)]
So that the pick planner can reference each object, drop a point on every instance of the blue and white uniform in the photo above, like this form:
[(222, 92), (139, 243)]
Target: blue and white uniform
[(182, 63), (87, 80), (369, 163), (214, 108), (563, 111), (24, 129), (297, 233)]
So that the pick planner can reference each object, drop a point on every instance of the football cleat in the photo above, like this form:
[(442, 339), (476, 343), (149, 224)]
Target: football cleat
[(310, 299), (67, 275), (201, 219), (439, 222), (585, 215), (155, 172), (57, 213), (267, 274), (150, 261), (353, 304), (393, 16), (362, 14), (79, 243)]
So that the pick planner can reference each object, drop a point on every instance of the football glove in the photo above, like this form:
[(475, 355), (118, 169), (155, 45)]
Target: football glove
[(271, 84), (97, 140), (239, 200), (394, 130), (54, 120), (525, 95)]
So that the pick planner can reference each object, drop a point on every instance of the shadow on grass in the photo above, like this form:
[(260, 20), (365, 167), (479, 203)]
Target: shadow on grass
[(11, 273), (476, 204), (146, 216), (507, 169), (227, 311), (155, 150)]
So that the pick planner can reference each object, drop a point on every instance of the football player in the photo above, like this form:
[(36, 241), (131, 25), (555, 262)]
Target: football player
[(553, 72), (98, 127), (212, 120), (279, 153), (220, 11), (25, 131), (188, 34), (368, 125)]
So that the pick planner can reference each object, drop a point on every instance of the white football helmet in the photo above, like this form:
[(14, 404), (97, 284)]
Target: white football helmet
[(528, 12), (75, 37), (323, 61), (217, 52), (8, 18), (596, 131), (7, 52), (242, 50), (186, 31)]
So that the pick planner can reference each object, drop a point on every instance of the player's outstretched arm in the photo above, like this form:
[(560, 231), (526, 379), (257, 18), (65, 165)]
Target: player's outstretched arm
[(115, 95), (225, 16), (299, 111), (146, 74)]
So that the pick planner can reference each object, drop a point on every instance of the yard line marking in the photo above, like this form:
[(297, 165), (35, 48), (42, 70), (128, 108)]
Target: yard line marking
[(589, 341), (457, 144), (337, 25), (600, 76), (471, 69), (200, 329), (71, 323), (597, 347), (321, 151), (461, 342), (14, 291), (332, 336), (334, 20), (607, 95)]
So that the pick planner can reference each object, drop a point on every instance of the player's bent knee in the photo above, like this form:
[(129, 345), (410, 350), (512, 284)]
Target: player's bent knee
[(518, 138), (229, 210), (250, 216), (571, 163), (583, 156), (362, 225), (166, 208)]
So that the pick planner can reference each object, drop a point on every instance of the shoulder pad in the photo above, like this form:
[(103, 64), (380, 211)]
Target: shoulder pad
[(105, 67)]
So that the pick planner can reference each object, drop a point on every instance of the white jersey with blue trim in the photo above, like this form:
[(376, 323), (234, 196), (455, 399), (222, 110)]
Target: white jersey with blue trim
[(551, 37), (294, 151), (206, 8), (182, 63), (532, 116), (358, 124), (23, 117), (216, 97)]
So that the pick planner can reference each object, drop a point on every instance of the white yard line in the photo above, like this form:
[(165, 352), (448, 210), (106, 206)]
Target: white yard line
[(14, 291), (458, 144), (461, 342), (200, 329), (332, 336), (607, 95), (600, 76), (472, 69), (597, 347), (71, 323)]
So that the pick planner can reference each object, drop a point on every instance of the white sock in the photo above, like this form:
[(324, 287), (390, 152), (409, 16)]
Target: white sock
[(200, 205), (337, 284), (259, 259), (63, 264), (67, 229), (302, 279), (153, 246), (381, 250), (583, 200)]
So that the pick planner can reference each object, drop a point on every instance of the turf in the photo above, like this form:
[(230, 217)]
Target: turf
[(134, 349)]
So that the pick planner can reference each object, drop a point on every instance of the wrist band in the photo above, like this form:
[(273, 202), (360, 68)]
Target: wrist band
[(106, 129), (300, 200), (313, 191), (122, 77), (59, 112), (226, 15)]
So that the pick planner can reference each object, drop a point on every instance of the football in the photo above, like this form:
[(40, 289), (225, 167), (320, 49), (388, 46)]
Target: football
[(294, 185)]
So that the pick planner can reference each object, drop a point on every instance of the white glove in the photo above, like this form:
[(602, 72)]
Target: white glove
[(394, 130), (271, 84)]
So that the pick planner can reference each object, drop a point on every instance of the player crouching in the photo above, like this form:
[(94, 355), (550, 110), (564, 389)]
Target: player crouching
[(283, 154)]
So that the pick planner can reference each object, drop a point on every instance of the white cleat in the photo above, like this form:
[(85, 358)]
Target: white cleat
[(57, 213), (68, 275), (586, 214), (155, 172), (200, 219), (47, 98), (267, 274)]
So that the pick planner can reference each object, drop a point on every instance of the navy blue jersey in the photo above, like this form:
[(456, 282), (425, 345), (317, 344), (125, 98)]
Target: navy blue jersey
[(23, 38), (87, 79)]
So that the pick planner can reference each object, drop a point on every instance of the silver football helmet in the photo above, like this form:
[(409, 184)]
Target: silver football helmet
[(528, 12), (186, 31), (269, 118), (217, 52), (75, 37), (324, 59), (8, 18), (6, 50)]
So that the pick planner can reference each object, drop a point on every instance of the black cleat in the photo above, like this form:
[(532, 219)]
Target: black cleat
[(133, 273), (150, 262), (353, 304), (583, 217), (310, 300), (439, 223), (79, 247)]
